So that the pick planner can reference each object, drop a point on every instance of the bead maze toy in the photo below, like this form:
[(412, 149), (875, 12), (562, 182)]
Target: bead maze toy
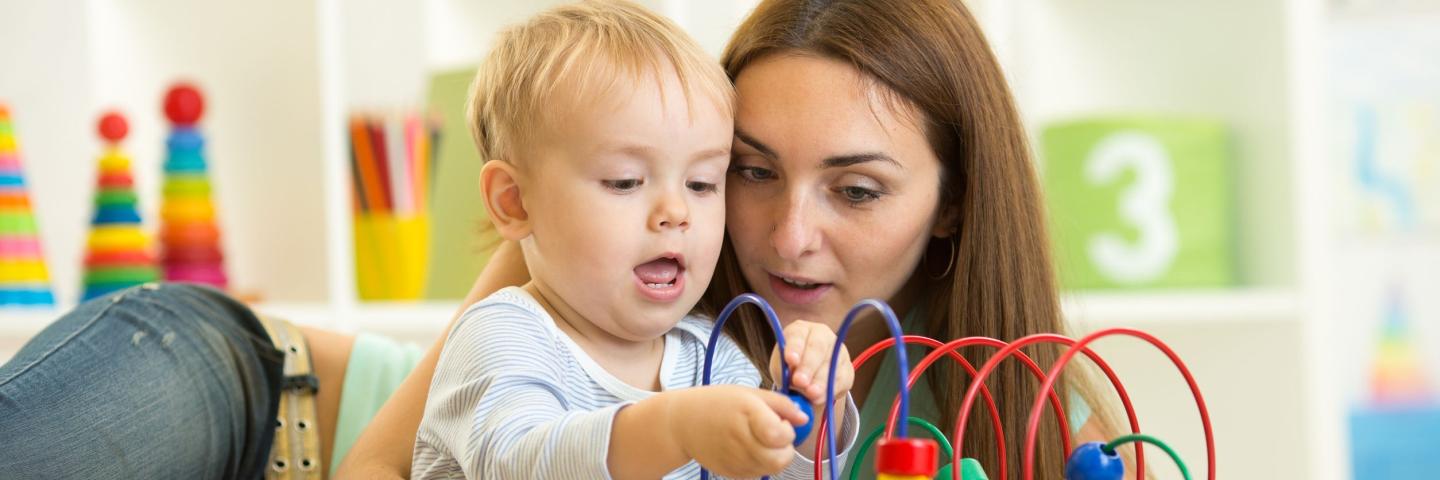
[(24, 281), (900, 457), (189, 238), (118, 253)]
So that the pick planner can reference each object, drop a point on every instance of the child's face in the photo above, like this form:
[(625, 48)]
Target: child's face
[(627, 204)]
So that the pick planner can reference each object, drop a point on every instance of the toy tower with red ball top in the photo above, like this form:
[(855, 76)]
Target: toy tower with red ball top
[(23, 278), (118, 253), (189, 236)]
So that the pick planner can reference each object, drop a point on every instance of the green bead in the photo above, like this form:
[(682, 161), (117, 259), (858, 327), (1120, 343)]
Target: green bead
[(121, 275), (115, 198), (187, 185), (969, 470), (17, 223)]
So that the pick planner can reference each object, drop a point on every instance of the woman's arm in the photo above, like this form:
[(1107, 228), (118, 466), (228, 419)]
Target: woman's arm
[(384, 448)]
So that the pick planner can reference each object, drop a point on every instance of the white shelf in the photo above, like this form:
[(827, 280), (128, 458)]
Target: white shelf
[(23, 323), (412, 321), (1178, 307), (418, 321)]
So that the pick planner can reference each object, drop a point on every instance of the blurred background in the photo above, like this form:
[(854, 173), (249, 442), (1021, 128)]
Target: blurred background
[(1256, 182)]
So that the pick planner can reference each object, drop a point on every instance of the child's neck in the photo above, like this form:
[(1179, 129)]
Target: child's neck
[(635, 363)]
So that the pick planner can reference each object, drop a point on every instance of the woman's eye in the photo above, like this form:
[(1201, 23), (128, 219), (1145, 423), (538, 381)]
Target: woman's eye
[(858, 195), (752, 174), (624, 185), (701, 187)]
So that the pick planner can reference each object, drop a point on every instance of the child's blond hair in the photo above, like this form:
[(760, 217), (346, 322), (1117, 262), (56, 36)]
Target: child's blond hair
[(586, 48)]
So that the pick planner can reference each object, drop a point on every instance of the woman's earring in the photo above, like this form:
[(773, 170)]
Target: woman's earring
[(949, 265)]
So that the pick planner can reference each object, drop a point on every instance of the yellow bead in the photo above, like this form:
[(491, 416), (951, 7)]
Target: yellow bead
[(127, 237), (114, 162), (187, 210), (22, 271)]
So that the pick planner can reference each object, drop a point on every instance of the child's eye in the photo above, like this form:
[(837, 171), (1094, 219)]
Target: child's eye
[(624, 185), (752, 174), (702, 187)]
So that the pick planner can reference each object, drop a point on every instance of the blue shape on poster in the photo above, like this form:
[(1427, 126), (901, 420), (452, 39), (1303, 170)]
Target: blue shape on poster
[(1368, 171)]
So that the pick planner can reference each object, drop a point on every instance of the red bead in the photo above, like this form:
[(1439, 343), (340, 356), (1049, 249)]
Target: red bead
[(113, 127), (184, 104), (123, 180), (119, 258), (908, 456)]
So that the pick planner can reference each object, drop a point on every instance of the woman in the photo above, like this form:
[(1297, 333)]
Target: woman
[(879, 155)]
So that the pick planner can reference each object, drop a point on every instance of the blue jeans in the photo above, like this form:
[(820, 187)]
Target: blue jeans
[(160, 381)]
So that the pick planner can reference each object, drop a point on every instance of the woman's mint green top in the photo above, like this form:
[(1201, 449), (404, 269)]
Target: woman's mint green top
[(377, 366), (876, 408)]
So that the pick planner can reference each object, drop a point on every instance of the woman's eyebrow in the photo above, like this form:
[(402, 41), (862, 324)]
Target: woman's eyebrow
[(857, 158), (753, 143), (831, 162)]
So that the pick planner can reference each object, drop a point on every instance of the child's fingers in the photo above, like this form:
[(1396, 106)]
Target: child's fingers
[(782, 407), (773, 427)]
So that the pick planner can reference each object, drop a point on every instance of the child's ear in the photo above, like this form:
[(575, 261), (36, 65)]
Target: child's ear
[(500, 187)]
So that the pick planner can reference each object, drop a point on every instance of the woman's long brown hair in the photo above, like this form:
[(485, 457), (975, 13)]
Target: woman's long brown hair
[(933, 56)]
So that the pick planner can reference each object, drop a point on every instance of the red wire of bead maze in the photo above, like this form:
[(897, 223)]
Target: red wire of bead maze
[(977, 386)]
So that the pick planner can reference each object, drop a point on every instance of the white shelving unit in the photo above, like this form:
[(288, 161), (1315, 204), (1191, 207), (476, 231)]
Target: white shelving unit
[(281, 76), (1257, 66)]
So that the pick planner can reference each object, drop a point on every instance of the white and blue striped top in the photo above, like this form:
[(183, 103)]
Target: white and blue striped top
[(513, 397)]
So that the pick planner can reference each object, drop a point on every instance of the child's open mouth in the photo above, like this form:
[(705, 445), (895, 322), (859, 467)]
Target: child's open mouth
[(660, 279)]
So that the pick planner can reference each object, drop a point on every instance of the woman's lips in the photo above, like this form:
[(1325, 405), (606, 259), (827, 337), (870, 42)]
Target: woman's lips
[(797, 294)]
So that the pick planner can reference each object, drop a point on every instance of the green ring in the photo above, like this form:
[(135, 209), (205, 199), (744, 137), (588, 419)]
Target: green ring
[(1109, 448), (917, 421)]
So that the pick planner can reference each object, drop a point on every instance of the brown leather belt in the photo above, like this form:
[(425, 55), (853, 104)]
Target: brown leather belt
[(295, 454)]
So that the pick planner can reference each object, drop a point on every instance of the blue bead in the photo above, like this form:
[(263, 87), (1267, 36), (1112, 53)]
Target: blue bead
[(1090, 462), (185, 139), (108, 215), (26, 296), (803, 431)]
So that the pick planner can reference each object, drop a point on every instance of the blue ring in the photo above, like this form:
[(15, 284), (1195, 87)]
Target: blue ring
[(902, 362), (715, 338)]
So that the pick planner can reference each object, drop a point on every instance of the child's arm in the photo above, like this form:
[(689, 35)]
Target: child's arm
[(735, 431), (500, 407), (385, 447)]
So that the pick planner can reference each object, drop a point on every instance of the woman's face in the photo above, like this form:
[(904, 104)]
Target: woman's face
[(833, 189)]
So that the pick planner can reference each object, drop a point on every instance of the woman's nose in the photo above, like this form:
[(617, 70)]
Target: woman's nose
[(794, 234)]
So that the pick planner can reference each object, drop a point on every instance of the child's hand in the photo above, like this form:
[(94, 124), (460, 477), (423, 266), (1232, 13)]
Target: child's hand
[(736, 432), (808, 346)]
